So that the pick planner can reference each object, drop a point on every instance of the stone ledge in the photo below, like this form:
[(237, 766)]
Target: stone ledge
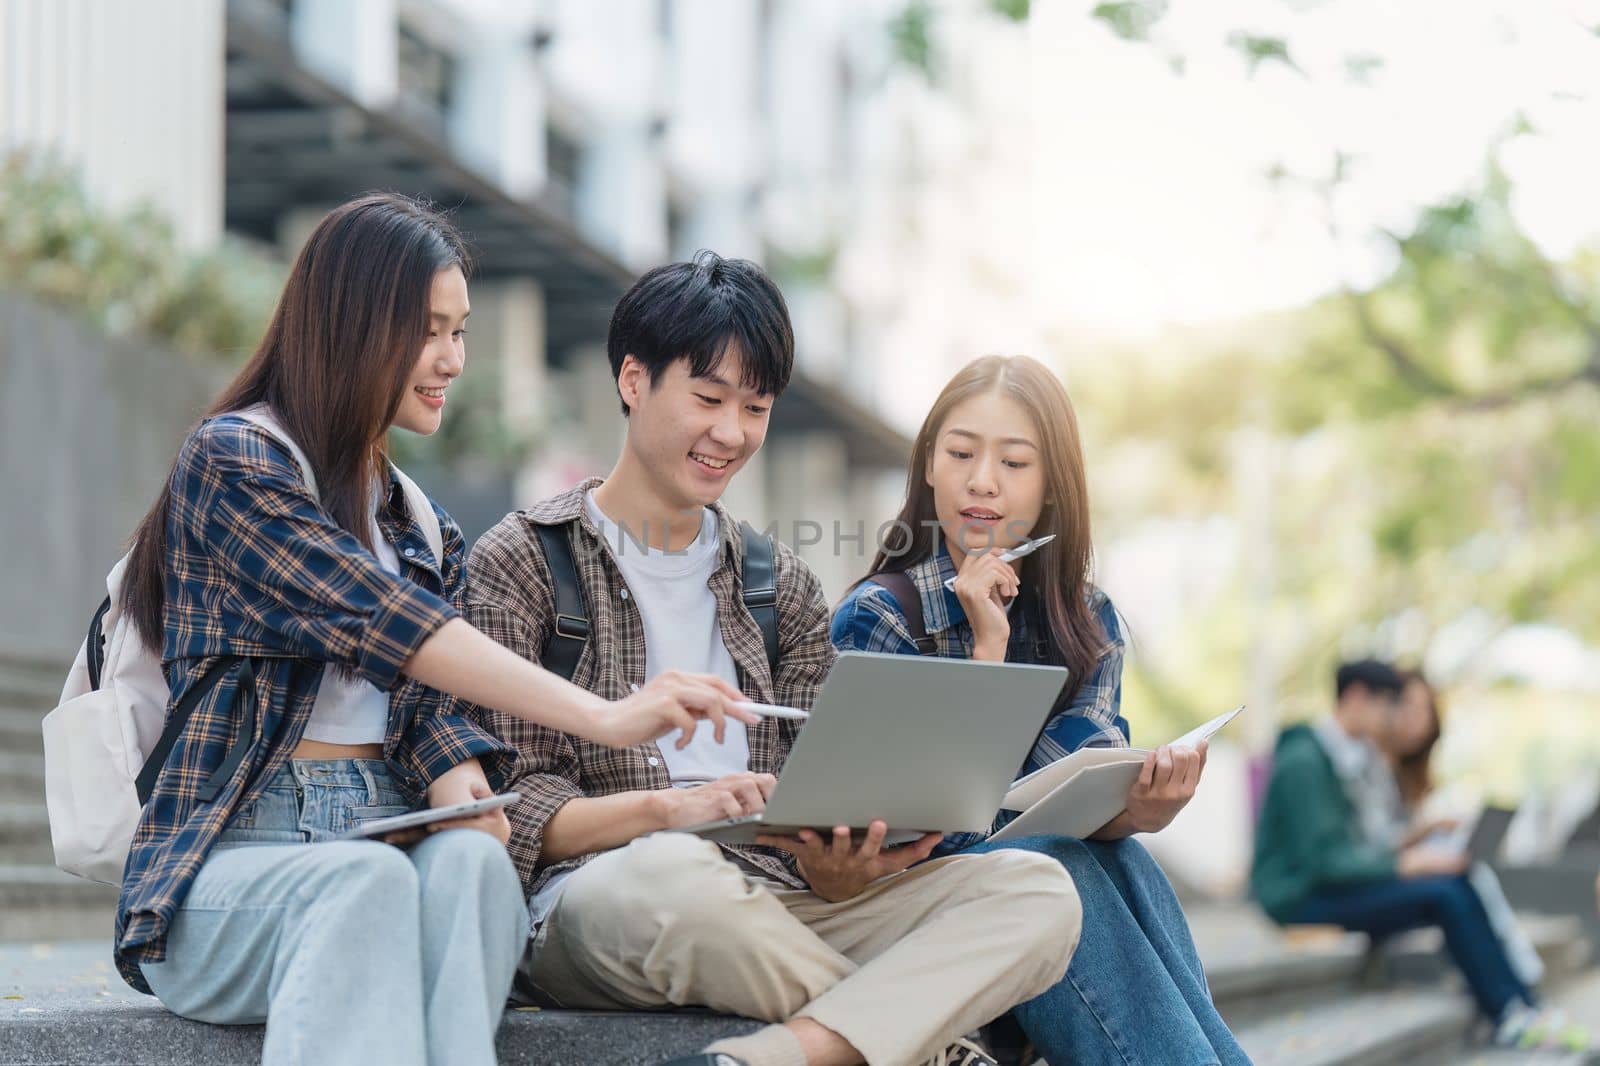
[(147, 1035)]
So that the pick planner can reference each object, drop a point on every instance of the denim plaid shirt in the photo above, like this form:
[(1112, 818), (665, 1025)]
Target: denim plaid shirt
[(869, 618), (255, 568)]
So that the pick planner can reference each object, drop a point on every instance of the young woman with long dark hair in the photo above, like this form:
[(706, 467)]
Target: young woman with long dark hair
[(297, 583), (998, 461)]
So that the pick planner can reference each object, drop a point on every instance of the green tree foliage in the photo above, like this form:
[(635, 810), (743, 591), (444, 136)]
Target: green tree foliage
[(127, 273)]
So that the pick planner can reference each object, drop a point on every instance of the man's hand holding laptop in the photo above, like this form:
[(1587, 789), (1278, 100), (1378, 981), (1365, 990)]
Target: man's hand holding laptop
[(841, 869)]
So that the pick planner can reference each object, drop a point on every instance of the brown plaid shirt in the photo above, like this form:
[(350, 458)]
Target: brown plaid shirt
[(510, 597)]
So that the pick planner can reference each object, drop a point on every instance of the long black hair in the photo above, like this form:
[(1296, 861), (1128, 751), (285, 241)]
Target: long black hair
[(1060, 571), (332, 366)]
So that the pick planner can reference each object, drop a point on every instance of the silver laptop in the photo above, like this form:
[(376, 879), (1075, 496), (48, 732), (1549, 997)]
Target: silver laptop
[(925, 744), (1489, 833)]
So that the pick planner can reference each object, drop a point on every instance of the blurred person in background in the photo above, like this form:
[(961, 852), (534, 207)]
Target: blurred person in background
[(1333, 845), (1409, 745)]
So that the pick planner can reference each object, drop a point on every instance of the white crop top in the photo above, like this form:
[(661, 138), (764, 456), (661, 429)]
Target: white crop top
[(349, 710)]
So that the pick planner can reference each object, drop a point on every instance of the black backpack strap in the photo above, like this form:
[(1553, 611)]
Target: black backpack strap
[(571, 631), (760, 580), (145, 783), (910, 600), (94, 645)]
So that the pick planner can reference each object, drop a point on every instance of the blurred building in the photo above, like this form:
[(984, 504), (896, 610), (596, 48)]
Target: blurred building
[(578, 143)]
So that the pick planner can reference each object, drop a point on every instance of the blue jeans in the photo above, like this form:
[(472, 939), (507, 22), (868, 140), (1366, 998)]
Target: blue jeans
[(1135, 992), (1390, 907), (350, 951)]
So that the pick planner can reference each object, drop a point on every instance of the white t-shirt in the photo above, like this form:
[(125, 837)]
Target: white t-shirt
[(349, 710), (673, 594)]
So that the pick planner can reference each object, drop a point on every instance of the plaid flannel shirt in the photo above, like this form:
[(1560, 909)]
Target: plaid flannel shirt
[(255, 568), (510, 597), (1086, 716)]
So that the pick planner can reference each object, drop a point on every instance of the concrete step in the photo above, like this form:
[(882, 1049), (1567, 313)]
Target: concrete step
[(73, 1007), (1370, 1028), (1420, 955), (25, 834), (1409, 1008), (32, 683), (39, 902), (21, 777), (1255, 969), (20, 730), (65, 1004)]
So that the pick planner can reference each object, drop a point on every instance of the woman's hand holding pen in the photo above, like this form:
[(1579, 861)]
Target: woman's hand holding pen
[(984, 586)]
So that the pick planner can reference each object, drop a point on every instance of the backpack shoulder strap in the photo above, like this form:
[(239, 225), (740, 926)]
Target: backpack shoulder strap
[(417, 501), (145, 783), (906, 595), (571, 631), (261, 415), (759, 579), (421, 508)]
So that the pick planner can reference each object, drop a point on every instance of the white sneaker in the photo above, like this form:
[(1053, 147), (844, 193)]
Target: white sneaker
[(963, 1052)]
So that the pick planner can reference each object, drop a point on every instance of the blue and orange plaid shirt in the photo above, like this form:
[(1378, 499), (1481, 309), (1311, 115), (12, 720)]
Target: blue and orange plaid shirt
[(1088, 715), (256, 569)]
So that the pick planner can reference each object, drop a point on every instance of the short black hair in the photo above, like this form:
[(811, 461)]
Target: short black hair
[(699, 310), (1377, 676)]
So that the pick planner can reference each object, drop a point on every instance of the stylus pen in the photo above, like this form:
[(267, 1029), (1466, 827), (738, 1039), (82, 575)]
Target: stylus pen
[(765, 710), (1011, 555), (773, 710)]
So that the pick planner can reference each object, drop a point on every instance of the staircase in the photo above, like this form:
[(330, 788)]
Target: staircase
[(37, 901), (1320, 998)]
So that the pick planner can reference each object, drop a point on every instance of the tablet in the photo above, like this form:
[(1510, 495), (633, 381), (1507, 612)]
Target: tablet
[(383, 826)]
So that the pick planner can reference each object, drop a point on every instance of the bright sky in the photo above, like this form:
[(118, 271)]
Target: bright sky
[(1150, 203)]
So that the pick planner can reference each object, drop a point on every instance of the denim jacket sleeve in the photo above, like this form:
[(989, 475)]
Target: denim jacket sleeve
[(870, 619), (304, 583)]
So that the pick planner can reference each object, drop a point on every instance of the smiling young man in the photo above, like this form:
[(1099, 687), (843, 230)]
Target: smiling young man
[(851, 952)]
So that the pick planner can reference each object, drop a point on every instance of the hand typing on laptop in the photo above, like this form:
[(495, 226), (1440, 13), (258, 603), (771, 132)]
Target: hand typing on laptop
[(840, 869), (725, 797)]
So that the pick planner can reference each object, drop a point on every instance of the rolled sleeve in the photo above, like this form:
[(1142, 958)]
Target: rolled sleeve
[(870, 619), (407, 615), (438, 742), (308, 585)]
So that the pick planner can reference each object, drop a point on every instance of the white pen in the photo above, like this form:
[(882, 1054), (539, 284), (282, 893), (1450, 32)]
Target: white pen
[(765, 710), (1011, 555), (772, 710)]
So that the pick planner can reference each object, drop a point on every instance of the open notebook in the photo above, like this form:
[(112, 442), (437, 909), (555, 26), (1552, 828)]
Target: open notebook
[(1077, 795)]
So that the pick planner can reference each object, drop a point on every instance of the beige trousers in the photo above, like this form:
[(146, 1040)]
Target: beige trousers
[(915, 961)]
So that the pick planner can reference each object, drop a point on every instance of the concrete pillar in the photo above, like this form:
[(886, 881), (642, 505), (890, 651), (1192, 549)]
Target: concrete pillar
[(497, 116), (352, 43), (622, 195), (130, 97)]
